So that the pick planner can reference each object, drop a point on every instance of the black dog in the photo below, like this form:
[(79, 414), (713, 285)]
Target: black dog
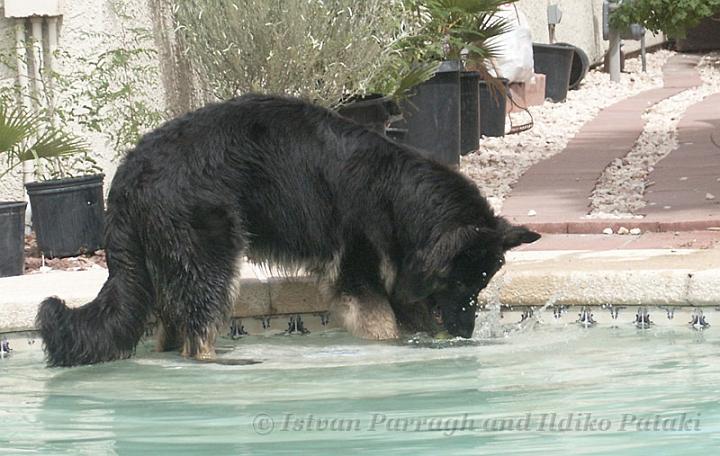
[(396, 240)]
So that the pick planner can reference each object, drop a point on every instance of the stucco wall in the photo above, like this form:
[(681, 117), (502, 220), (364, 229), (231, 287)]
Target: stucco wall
[(11, 184), (80, 30), (581, 25), (81, 21)]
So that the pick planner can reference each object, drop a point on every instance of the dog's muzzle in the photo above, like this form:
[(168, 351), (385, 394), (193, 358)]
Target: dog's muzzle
[(458, 320)]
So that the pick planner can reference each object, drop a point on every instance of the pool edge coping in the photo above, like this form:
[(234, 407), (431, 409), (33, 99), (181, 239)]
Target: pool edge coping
[(659, 277)]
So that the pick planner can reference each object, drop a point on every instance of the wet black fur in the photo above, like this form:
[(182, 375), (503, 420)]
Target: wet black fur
[(287, 182)]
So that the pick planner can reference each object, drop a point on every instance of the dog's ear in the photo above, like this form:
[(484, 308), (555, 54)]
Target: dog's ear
[(439, 257), (515, 235)]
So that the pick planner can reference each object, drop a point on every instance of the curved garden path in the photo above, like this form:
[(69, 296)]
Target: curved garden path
[(558, 189)]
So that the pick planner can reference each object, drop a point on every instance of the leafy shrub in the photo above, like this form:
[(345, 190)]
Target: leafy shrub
[(322, 50), (113, 92), (674, 17)]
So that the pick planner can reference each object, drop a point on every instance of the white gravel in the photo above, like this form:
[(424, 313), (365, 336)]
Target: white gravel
[(621, 188), (501, 161)]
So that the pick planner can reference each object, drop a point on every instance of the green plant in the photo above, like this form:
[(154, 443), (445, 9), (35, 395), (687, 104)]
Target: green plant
[(400, 76), (455, 29), (111, 92), (444, 30), (674, 17), (28, 136), (322, 50)]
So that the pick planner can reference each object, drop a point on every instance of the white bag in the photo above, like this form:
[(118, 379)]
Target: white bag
[(514, 48)]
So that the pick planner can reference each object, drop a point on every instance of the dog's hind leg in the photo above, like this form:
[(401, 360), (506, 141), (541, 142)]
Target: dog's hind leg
[(197, 299), (207, 300), (199, 277), (200, 344), (168, 336)]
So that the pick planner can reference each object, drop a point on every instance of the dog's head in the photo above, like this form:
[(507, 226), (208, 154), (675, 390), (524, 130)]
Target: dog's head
[(453, 272)]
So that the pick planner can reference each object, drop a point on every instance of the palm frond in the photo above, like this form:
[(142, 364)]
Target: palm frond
[(15, 126), (470, 6), (54, 143), (414, 76)]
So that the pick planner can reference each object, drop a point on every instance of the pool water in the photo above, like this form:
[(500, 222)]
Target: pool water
[(560, 390)]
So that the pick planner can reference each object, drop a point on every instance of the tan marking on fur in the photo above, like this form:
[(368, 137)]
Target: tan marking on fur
[(371, 318), (166, 340), (162, 339), (328, 276), (331, 269), (234, 282), (200, 348), (387, 273)]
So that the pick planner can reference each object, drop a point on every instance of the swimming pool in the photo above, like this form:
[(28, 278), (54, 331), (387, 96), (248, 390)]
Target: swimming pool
[(565, 389)]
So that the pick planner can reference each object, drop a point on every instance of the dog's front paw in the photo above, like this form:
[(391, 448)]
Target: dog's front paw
[(368, 317)]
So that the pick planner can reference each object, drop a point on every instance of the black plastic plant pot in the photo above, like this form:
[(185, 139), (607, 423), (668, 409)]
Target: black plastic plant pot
[(12, 238), (493, 108), (555, 62), (372, 111), (579, 67), (469, 111), (68, 215), (431, 116)]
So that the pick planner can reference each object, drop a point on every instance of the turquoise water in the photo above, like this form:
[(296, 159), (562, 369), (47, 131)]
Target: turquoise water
[(566, 390)]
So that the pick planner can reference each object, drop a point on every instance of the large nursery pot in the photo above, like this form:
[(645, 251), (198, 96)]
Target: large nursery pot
[(555, 62), (469, 111), (431, 115), (372, 111), (579, 66), (493, 108), (68, 215), (12, 238)]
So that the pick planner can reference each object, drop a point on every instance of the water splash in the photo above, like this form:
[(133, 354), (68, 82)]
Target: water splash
[(534, 316), (488, 324)]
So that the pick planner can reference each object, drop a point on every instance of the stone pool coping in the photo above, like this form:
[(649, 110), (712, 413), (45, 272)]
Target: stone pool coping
[(651, 277)]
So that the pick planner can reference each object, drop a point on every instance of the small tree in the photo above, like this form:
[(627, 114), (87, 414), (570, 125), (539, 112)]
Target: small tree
[(674, 17)]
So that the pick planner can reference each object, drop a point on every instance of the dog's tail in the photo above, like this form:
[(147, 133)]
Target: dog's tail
[(110, 326)]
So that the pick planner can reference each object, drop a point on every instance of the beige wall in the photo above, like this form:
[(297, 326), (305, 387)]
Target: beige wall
[(80, 24), (581, 25)]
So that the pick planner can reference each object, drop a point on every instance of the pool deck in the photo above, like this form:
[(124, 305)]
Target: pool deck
[(675, 261), (653, 269)]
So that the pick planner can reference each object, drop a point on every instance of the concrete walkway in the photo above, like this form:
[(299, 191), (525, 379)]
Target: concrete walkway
[(687, 182), (559, 188)]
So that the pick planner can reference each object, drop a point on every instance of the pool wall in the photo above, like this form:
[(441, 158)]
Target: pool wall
[(559, 282)]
